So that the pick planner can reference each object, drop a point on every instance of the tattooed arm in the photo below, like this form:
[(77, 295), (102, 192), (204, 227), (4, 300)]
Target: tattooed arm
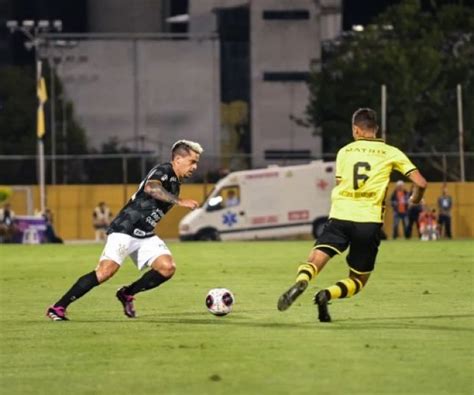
[(156, 191)]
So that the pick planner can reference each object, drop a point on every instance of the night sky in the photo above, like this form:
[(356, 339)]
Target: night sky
[(73, 13)]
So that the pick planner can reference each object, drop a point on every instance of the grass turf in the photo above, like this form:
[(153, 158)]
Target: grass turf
[(409, 332)]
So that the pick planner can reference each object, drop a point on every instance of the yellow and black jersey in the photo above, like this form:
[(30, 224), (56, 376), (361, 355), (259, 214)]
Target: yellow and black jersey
[(363, 171)]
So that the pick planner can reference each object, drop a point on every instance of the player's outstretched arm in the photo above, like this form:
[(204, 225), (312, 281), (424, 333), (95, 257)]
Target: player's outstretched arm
[(157, 191), (189, 203), (420, 185)]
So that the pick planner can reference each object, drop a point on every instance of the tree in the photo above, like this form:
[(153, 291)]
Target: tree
[(420, 55), (18, 105), (18, 114)]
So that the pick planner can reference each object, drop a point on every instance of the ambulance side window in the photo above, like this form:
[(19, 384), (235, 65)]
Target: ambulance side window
[(227, 197)]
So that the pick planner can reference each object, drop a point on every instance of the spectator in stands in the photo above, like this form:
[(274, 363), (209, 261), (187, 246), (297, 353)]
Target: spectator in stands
[(101, 217), (51, 236), (399, 202), (7, 225), (445, 203), (428, 224), (414, 211)]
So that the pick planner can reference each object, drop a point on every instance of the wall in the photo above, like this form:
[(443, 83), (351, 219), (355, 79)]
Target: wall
[(281, 46), (72, 206), (145, 93), (123, 15)]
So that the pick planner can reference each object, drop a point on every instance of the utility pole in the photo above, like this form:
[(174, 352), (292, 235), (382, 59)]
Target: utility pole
[(33, 30), (461, 133)]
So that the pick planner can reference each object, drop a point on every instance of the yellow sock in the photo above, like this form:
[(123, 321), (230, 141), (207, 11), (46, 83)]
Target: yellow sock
[(306, 272), (345, 288)]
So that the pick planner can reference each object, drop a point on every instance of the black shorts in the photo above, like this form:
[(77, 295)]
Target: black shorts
[(362, 237)]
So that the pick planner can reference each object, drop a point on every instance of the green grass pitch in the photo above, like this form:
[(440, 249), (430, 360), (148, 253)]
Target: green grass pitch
[(409, 332)]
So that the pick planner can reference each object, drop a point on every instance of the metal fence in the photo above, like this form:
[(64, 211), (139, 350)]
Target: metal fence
[(132, 168)]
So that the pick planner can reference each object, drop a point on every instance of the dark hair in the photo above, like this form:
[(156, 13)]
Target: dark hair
[(365, 118)]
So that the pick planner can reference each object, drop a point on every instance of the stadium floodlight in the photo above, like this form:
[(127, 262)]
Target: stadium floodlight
[(28, 23), (43, 24), (34, 32), (58, 25), (358, 28), (12, 25)]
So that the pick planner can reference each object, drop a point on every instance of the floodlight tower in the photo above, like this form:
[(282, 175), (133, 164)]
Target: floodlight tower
[(33, 31)]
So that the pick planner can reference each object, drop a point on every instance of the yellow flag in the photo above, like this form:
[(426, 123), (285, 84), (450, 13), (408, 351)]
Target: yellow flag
[(42, 97)]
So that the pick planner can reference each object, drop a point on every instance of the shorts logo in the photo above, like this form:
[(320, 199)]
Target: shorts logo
[(122, 250), (139, 233)]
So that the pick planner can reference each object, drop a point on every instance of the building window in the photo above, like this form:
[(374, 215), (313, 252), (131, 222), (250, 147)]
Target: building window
[(286, 15), (285, 76)]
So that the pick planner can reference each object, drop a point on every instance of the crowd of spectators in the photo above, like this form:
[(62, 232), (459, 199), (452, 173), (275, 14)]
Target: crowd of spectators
[(430, 223)]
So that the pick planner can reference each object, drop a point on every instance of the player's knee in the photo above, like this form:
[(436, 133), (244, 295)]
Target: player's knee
[(106, 270), (166, 267), (168, 270)]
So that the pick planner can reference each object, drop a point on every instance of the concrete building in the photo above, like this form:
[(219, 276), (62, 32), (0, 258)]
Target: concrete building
[(119, 16), (146, 93), (285, 39), (234, 83)]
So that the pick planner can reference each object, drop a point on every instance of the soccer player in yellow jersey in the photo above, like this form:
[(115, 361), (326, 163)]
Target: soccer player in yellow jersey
[(363, 170)]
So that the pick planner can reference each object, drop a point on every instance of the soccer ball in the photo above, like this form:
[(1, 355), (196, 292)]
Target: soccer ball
[(219, 301)]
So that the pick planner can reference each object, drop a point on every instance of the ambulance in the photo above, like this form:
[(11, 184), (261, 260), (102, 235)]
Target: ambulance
[(269, 203)]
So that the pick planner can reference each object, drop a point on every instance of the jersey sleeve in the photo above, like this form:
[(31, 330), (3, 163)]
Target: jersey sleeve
[(402, 164), (160, 174)]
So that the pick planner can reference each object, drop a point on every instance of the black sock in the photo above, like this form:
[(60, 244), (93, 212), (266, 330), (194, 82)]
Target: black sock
[(83, 285), (149, 280)]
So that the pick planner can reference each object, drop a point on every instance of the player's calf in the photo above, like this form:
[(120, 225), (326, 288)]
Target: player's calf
[(342, 289), (306, 272)]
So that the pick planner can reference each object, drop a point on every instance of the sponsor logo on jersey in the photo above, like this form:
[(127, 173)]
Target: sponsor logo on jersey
[(154, 217)]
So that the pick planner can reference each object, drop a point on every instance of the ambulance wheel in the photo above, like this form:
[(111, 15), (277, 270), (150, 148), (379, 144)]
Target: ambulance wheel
[(208, 235), (318, 227)]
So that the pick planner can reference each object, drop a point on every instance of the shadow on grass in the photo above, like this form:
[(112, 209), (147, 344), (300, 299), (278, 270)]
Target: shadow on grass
[(245, 319), (405, 322)]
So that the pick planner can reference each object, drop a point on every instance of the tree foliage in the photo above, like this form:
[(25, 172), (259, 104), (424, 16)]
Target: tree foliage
[(18, 105), (420, 55)]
